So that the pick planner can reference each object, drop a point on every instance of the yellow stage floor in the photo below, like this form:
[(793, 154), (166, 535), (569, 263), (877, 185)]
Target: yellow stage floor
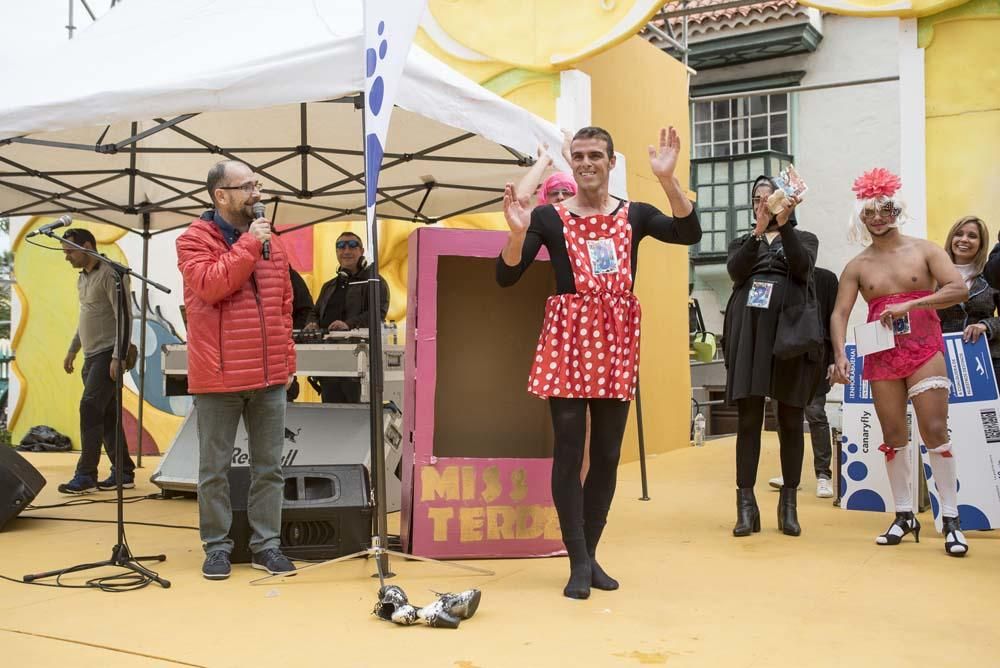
[(691, 594)]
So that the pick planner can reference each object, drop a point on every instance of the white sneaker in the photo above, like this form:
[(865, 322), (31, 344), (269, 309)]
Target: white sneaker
[(779, 482), (824, 488)]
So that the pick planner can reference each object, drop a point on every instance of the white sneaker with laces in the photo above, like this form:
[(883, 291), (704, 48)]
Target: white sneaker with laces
[(824, 488)]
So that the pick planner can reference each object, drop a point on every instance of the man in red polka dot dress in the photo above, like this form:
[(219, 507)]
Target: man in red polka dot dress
[(588, 350)]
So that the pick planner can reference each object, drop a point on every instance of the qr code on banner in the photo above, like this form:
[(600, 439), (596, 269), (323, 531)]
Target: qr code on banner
[(991, 426)]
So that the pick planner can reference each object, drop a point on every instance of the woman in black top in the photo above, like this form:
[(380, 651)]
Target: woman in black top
[(773, 260), (966, 246), (588, 351)]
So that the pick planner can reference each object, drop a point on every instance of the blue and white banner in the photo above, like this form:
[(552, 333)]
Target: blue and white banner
[(973, 426), (389, 29)]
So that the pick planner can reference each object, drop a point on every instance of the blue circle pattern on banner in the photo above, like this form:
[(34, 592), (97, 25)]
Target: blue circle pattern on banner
[(866, 499), (376, 95), (857, 471), (973, 518)]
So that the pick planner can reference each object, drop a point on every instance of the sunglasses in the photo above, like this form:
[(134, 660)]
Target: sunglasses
[(348, 243)]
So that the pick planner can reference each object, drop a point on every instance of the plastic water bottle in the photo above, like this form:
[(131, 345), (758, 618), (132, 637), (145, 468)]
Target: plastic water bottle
[(699, 430)]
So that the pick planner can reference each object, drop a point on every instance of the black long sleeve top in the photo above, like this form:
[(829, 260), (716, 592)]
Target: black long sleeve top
[(795, 254), (546, 229)]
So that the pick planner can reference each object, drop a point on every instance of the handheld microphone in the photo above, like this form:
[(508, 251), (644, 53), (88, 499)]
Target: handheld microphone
[(258, 212), (62, 221)]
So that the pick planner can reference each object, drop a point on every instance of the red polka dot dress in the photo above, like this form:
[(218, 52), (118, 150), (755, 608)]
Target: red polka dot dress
[(589, 344)]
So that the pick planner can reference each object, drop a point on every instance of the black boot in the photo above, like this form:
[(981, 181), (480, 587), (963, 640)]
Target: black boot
[(788, 515), (747, 513)]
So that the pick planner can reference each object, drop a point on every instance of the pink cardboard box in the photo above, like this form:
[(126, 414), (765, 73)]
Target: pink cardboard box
[(477, 459)]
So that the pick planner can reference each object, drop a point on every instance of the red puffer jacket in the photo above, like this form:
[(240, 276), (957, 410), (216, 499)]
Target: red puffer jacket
[(239, 311)]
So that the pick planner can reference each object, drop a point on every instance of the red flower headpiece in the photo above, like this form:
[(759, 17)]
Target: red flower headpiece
[(878, 182)]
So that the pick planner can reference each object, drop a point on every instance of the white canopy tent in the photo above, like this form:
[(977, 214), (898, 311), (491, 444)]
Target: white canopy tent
[(121, 124), (161, 90)]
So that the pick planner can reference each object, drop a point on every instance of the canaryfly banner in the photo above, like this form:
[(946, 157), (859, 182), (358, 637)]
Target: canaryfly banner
[(973, 425)]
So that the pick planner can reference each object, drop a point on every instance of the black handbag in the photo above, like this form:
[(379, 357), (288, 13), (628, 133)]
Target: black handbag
[(799, 331)]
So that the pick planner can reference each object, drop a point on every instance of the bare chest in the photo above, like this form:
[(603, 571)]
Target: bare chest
[(893, 273)]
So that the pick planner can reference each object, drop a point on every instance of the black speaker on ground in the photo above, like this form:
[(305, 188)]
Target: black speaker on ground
[(20, 482), (326, 511)]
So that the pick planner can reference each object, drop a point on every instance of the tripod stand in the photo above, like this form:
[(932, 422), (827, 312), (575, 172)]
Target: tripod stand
[(121, 554)]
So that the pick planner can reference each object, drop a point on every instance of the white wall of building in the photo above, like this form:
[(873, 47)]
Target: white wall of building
[(837, 134)]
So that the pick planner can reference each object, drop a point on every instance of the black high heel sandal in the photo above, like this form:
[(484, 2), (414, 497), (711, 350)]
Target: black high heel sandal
[(954, 541), (906, 523)]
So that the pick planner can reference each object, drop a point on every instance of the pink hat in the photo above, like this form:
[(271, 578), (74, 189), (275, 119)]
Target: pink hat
[(557, 181)]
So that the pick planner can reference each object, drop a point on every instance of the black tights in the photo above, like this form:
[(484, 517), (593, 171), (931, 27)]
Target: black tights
[(751, 421), (583, 509)]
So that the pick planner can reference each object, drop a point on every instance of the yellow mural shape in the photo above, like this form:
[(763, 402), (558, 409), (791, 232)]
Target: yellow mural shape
[(46, 289), (537, 35)]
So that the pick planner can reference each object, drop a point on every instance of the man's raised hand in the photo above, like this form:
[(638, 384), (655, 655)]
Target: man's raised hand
[(518, 216), (663, 159)]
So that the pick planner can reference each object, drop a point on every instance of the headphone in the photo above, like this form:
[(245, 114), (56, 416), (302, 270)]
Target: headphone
[(342, 274)]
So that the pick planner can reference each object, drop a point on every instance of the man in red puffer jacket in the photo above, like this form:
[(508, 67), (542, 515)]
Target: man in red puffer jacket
[(241, 358)]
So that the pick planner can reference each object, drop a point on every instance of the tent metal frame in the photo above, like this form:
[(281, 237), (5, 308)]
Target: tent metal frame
[(187, 196)]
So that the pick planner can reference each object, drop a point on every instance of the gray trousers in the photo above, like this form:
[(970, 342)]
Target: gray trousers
[(263, 413), (819, 433)]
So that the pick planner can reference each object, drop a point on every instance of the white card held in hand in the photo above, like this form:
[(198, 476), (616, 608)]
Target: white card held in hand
[(874, 337)]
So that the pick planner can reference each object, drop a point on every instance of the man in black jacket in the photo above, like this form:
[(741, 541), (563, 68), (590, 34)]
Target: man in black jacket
[(343, 305)]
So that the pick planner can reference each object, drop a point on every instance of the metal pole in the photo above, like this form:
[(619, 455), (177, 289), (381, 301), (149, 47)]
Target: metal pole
[(375, 376), (69, 24), (144, 305), (642, 443)]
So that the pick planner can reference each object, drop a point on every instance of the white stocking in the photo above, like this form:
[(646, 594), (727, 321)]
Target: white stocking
[(945, 478)]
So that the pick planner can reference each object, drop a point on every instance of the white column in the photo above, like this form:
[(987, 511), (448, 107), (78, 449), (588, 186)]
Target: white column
[(573, 105), (912, 129)]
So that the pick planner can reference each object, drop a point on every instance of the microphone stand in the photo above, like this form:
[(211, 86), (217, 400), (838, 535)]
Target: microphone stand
[(121, 555)]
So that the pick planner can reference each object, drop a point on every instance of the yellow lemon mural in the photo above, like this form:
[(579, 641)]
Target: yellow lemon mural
[(534, 35)]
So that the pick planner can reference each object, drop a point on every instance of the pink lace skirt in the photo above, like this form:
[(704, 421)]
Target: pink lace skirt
[(912, 350)]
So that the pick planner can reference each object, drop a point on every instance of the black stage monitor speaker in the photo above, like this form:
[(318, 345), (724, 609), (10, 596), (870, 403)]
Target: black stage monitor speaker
[(20, 482), (326, 511)]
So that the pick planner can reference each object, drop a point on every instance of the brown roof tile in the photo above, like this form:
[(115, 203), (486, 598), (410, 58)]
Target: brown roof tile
[(723, 14)]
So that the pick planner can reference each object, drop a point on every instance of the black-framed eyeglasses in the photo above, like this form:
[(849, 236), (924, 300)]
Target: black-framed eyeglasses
[(248, 187), (348, 243)]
